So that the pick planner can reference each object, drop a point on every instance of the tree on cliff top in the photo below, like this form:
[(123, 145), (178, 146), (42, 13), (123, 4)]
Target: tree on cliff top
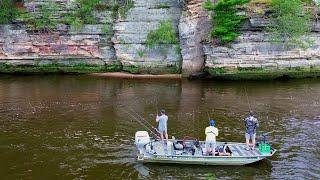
[(7, 11), (290, 23), (225, 19)]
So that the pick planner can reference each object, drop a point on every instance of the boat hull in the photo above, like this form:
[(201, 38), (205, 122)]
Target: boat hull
[(216, 160), (195, 152)]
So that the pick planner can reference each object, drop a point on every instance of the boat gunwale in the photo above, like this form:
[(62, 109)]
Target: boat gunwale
[(196, 156)]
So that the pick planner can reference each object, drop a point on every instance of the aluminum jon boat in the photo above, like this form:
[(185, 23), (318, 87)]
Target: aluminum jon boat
[(194, 152)]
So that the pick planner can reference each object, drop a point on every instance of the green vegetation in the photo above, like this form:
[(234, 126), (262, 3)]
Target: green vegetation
[(57, 68), (225, 19), (290, 23), (141, 53), (153, 69), (82, 15), (262, 74), (123, 9), (44, 20), (131, 69), (85, 13), (164, 34), (7, 11), (106, 28)]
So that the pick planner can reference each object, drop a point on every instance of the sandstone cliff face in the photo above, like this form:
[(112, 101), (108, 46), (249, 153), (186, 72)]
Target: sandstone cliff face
[(194, 27), (253, 49), (125, 42), (21, 46), (130, 35)]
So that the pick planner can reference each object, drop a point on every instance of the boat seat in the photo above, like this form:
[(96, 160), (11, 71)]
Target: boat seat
[(177, 146)]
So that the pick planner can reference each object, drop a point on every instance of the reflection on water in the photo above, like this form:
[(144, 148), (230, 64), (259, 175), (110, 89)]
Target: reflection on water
[(75, 126)]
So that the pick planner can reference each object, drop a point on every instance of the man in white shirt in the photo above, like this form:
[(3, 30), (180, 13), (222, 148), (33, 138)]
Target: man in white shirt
[(211, 133)]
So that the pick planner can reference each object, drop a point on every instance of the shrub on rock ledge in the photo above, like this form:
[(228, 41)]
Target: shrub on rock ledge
[(225, 19), (290, 23), (164, 34)]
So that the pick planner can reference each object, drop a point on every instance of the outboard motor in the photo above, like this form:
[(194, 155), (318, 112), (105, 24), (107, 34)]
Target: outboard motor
[(141, 139)]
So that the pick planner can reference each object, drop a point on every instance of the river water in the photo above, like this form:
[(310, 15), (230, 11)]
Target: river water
[(75, 127)]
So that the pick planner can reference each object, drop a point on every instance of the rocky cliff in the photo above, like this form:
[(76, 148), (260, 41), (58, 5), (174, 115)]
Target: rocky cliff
[(120, 41), (194, 28), (253, 51), (130, 35), (21, 46)]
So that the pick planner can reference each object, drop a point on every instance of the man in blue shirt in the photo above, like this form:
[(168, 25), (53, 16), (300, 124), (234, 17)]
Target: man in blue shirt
[(163, 119), (251, 124)]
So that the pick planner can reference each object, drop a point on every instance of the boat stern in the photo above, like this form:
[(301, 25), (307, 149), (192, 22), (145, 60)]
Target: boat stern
[(141, 139)]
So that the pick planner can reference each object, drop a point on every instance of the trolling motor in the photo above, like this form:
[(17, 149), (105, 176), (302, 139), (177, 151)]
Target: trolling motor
[(264, 146)]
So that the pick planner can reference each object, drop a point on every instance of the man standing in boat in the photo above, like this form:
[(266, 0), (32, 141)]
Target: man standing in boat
[(251, 124), (211, 133), (162, 128)]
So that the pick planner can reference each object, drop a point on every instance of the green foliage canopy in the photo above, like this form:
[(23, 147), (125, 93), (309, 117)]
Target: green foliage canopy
[(290, 23), (44, 20), (164, 34), (7, 11), (225, 19)]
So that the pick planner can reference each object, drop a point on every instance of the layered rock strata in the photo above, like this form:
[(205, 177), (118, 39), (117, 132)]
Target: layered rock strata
[(130, 35), (20, 45), (194, 27), (254, 50)]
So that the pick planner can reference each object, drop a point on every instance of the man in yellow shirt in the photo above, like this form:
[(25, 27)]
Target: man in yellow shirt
[(211, 133)]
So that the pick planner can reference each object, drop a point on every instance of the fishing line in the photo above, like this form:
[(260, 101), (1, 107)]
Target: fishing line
[(135, 118), (137, 114), (245, 90)]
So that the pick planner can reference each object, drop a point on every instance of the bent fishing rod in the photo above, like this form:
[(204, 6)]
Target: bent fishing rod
[(140, 118), (143, 119), (137, 119), (144, 122)]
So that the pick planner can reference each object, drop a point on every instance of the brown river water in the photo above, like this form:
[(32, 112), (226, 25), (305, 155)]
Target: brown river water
[(75, 127)]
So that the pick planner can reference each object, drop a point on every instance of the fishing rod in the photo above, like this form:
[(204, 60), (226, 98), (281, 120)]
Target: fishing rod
[(208, 115), (245, 89), (139, 116), (156, 103), (143, 119), (135, 118)]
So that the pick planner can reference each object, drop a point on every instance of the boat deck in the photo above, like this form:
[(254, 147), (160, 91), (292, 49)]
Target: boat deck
[(237, 149), (194, 152)]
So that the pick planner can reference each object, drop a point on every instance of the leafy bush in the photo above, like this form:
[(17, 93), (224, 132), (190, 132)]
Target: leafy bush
[(141, 53), (106, 28), (44, 20), (7, 11), (124, 8), (164, 34), (290, 22), (83, 14), (225, 19)]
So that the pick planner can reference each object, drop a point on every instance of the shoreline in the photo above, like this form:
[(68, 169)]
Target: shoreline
[(116, 71), (126, 75)]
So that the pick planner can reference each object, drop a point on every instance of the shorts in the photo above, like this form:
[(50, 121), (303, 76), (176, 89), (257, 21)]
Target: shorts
[(162, 130), (250, 136)]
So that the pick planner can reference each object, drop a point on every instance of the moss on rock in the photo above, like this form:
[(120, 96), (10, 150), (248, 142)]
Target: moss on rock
[(262, 74), (55, 68), (139, 69)]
